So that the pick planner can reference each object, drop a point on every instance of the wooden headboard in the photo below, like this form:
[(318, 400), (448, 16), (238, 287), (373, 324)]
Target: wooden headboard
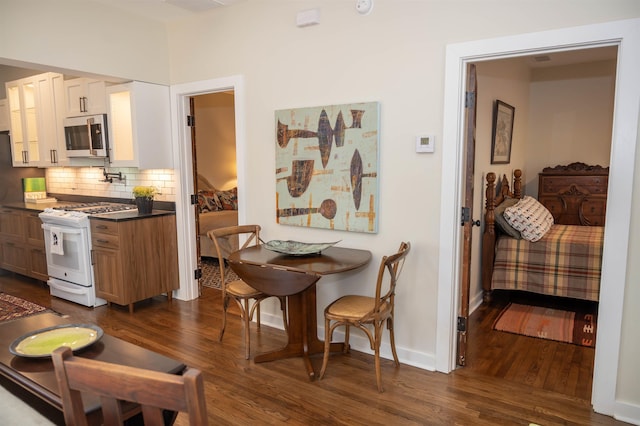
[(575, 194), (489, 236)]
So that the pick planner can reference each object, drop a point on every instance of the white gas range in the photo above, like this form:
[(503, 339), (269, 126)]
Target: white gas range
[(67, 234)]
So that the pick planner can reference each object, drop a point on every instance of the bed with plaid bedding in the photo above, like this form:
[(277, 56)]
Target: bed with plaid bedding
[(565, 262)]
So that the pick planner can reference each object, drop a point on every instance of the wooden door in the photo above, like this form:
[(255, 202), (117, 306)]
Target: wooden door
[(467, 213), (194, 167)]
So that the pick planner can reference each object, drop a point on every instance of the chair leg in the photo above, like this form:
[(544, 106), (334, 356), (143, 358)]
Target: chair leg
[(247, 322), (258, 314), (327, 347), (225, 304), (346, 348), (392, 339), (378, 338)]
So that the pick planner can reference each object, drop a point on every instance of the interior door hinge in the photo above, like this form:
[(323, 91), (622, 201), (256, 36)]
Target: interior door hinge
[(197, 273), (465, 215), (191, 120), (194, 199), (462, 324), (469, 99)]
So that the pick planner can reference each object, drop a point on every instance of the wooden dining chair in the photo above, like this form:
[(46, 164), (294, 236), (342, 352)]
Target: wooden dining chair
[(118, 386), (226, 241), (363, 311)]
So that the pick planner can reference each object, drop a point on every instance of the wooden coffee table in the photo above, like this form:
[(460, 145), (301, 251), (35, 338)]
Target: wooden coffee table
[(38, 377)]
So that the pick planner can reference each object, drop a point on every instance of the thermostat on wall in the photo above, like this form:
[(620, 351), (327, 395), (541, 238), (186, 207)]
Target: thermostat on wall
[(425, 143)]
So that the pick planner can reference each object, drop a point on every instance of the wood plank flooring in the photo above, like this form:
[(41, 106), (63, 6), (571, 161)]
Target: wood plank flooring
[(515, 391)]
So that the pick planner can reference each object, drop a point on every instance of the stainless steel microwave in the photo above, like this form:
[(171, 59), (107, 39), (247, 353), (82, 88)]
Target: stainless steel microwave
[(87, 136)]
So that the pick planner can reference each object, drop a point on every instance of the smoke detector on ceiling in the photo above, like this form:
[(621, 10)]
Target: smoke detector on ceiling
[(363, 7)]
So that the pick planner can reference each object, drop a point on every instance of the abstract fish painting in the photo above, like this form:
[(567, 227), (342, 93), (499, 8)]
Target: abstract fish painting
[(327, 166)]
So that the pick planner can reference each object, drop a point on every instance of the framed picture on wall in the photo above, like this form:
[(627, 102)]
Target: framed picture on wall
[(503, 114)]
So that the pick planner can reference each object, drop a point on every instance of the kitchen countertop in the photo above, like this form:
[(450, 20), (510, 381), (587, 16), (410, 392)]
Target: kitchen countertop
[(36, 206), (113, 216), (129, 215)]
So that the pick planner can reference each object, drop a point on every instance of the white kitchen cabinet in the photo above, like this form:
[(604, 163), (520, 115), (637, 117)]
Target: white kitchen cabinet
[(21, 96), (53, 151), (4, 115), (35, 125), (85, 96), (139, 126)]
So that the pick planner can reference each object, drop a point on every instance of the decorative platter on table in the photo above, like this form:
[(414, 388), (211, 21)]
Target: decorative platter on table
[(40, 343), (297, 248)]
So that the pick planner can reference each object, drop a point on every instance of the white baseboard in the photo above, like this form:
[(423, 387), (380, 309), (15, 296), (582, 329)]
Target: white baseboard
[(627, 412), (360, 343)]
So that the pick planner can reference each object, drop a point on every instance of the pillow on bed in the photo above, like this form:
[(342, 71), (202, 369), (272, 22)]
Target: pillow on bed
[(207, 202), (228, 199), (531, 218), (501, 221), (213, 201)]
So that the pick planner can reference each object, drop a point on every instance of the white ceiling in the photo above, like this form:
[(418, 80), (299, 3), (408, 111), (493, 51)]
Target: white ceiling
[(166, 10)]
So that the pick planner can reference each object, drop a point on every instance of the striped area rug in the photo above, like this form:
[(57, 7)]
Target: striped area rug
[(12, 307), (578, 328)]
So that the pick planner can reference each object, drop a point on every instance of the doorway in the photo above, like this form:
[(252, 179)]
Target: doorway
[(215, 173), (564, 110), (619, 212), (185, 217)]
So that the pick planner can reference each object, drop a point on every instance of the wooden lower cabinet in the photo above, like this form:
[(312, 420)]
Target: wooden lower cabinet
[(22, 243), (134, 259)]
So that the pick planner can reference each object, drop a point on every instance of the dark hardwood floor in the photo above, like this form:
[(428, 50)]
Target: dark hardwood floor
[(535, 387), (539, 363)]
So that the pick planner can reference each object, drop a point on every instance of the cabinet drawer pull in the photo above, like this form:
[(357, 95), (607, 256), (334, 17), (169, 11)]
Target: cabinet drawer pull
[(101, 226), (102, 241)]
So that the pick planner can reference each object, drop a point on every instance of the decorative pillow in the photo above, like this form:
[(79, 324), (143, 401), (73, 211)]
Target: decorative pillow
[(228, 199), (501, 221), (531, 218), (213, 201), (207, 202)]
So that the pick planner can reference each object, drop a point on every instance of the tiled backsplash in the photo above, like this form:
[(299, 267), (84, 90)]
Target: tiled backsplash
[(89, 181)]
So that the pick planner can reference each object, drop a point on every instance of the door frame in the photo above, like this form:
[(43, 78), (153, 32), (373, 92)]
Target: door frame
[(182, 154), (626, 36)]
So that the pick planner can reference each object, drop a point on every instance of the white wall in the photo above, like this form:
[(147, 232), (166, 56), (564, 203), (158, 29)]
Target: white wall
[(82, 35), (394, 56), (216, 139), (571, 117)]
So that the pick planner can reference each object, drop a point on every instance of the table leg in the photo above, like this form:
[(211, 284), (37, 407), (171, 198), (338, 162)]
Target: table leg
[(302, 332)]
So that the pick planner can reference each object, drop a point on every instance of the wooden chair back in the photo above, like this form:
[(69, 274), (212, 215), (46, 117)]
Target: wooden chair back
[(274, 280), (226, 241), (392, 265), (115, 384)]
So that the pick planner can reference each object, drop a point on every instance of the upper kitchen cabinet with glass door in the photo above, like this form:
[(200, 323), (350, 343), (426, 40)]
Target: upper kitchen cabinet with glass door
[(23, 119), (139, 126), (34, 111)]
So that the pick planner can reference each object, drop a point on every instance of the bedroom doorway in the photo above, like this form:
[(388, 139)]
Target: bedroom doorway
[(538, 85), (215, 177), (623, 154)]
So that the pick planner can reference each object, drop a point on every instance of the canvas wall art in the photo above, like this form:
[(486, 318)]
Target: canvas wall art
[(327, 167)]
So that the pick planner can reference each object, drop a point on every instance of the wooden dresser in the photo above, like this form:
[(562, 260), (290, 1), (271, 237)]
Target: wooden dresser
[(575, 194)]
